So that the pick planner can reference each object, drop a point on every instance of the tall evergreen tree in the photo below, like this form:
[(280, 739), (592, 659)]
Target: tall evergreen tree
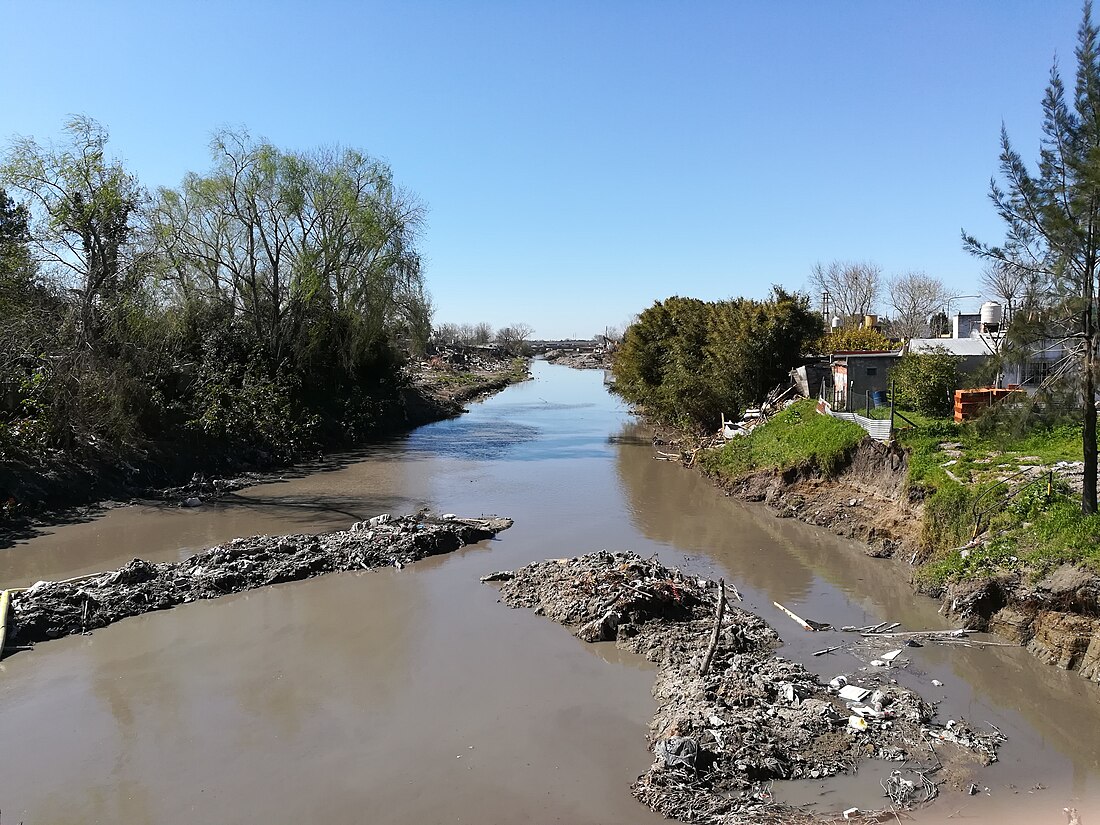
[(1052, 219)]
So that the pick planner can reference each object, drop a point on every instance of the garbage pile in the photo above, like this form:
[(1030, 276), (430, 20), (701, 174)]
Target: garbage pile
[(201, 488), (579, 360), (733, 717), (461, 358), (49, 610)]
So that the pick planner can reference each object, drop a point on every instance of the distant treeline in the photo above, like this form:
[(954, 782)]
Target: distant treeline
[(687, 361), (257, 309)]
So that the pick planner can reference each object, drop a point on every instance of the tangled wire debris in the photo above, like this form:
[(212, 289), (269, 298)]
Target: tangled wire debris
[(49, 610), (721, 737)]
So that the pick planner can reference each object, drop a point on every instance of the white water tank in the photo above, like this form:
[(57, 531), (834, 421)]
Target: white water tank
[(991, 313), (836, 323)]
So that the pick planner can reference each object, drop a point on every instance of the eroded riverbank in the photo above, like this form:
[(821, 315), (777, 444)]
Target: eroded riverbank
[(1056, 617)]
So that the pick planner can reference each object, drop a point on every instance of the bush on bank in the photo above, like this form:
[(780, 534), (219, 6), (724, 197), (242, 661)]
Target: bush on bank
[(257, 311), (687, 362)]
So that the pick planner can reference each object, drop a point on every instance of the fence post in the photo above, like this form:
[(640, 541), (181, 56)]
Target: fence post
[(891, 406)]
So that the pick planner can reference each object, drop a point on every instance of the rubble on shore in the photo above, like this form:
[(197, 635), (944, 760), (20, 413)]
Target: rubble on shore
[(580, 360), (50, 610), (733, 717)]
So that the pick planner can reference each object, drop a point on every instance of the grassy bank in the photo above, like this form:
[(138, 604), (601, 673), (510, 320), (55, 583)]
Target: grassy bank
[(992, 487), (991, 502), (797, 437)]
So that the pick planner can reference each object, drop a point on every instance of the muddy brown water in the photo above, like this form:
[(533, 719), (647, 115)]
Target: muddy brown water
[(414, 697)]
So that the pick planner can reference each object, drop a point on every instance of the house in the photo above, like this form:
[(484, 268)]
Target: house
[(977, 351), (974, 353), (859, 372)]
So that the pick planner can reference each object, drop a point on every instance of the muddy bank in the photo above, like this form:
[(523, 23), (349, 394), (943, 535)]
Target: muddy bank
[(65, 488), (1057, 618), (50, 610), (865, 502), (733, 717)]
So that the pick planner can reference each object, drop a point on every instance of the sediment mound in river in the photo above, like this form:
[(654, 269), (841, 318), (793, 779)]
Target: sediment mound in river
[(49, 610), (733, 716)]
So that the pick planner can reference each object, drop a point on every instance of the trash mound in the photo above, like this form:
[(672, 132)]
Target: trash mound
[(733, 717), (50, 610), (596, 360)]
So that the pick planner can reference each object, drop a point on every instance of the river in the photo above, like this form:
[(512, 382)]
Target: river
[(413, 696)]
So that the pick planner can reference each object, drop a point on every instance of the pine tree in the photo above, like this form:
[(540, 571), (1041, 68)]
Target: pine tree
[(1052, 219)]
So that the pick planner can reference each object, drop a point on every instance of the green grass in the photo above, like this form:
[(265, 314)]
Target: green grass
[(795, 437), (1030, 531), (1036, 533), (984, 456)]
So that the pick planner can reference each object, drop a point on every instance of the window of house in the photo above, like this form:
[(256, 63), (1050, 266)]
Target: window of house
[(1035, 372), (872, 370)]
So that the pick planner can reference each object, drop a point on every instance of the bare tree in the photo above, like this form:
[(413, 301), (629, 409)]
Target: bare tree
[(1012, 285), (483, 333), (854, 287), (513, 339), (915, 296)]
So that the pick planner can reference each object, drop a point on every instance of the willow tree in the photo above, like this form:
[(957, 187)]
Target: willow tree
[(314, 252), (83, 211), (1052, 219)]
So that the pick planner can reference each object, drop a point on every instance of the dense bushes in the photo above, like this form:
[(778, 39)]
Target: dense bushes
[(688, 362), (257, 310), (925, 382)]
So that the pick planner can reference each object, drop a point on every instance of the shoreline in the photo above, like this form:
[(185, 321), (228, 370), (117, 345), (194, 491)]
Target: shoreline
[(70, 490), (1057, 618)]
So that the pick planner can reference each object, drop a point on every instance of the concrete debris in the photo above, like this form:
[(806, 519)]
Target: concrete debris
[(580, 359), (50, 610), (721, 737), (853, 693)]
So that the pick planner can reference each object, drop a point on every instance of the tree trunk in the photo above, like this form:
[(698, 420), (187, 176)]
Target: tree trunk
[(1088, 439), (1088, 434)]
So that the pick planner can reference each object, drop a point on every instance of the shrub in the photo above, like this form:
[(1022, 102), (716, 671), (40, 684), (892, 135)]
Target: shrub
[(925, 381)]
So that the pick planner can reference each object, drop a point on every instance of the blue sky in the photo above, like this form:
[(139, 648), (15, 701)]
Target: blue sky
[(580, 160)]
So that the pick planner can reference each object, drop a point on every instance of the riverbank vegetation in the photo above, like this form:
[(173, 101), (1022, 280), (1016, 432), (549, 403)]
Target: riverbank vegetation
[(688, 362), (796, 437), (260, 310), (994, 499)]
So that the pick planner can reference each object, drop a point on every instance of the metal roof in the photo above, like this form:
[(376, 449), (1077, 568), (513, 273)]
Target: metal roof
[(955, 346)]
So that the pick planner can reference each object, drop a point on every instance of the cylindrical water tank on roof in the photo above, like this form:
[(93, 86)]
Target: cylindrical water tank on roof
[(870, 321), (836, 323), (991, 316)]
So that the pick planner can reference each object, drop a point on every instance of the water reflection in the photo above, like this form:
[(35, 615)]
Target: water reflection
[(681, 509)]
